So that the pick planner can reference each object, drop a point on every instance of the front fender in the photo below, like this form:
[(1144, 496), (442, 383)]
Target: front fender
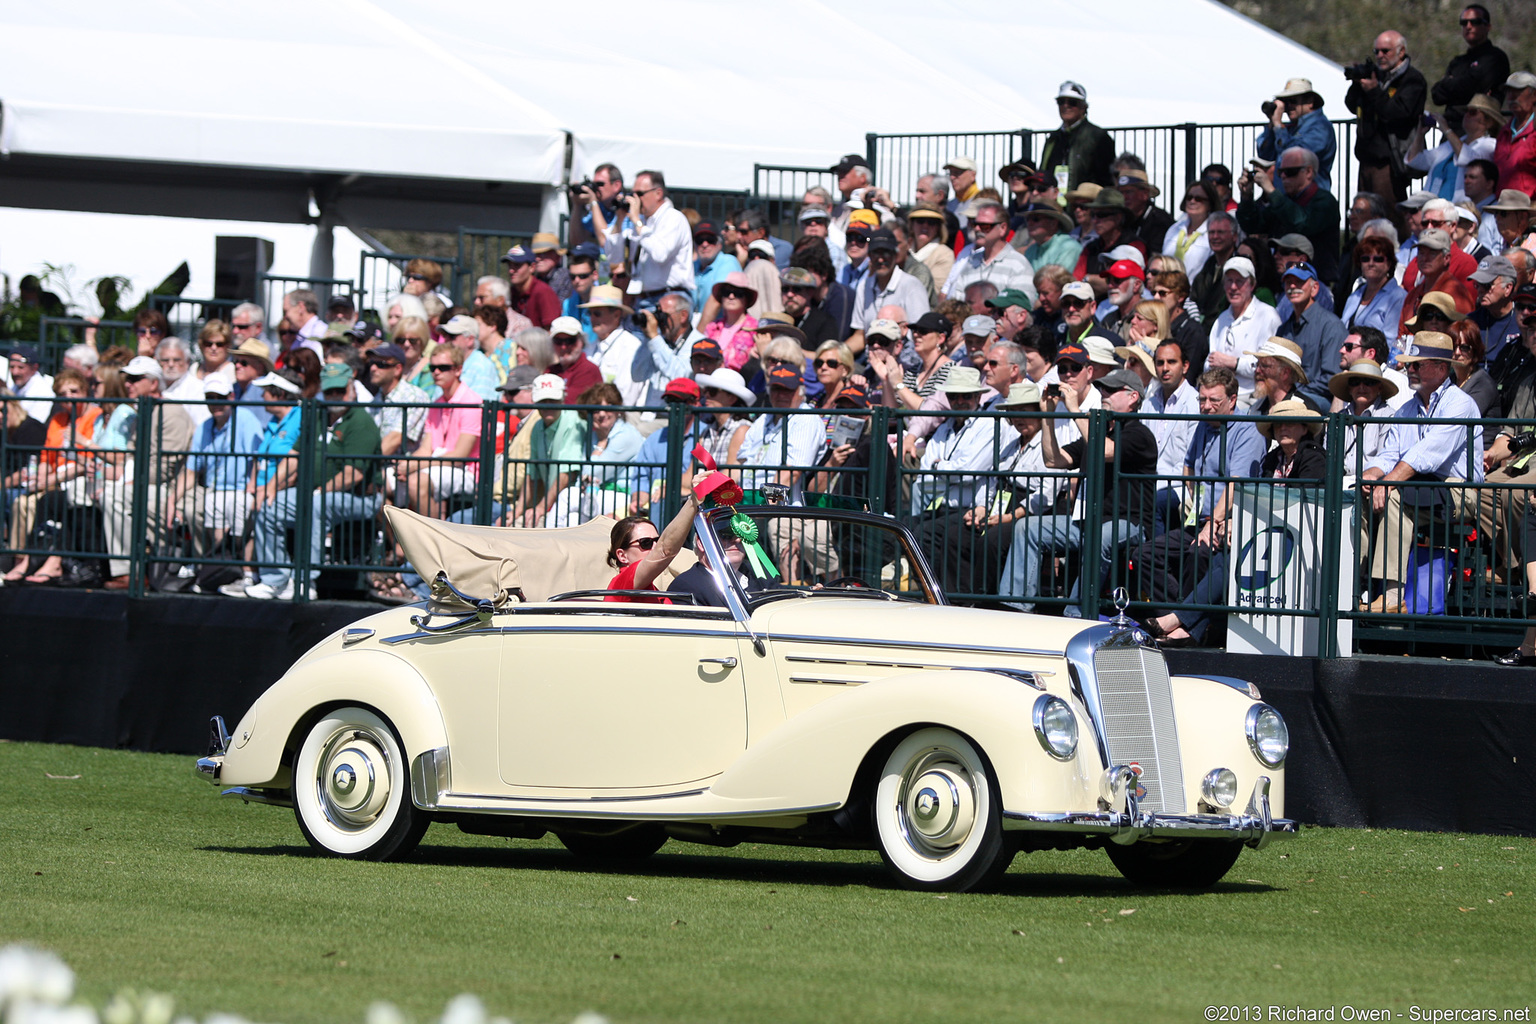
[(811, 760), (370, 678)]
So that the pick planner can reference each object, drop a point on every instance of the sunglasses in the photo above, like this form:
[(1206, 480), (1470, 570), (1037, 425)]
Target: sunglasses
[(1372, 259), (1433, 314), (143, 331), (579, 276), (1426, 222), (245, 327), (215, 344), (854, 239), (565, 341), (1473, 21), (1102, 215), (1526, 310), (643, 543), (1160, 293), (418, 342), (985, 226), (1072, 303), (383, 364), (992, 364), (828, 363), (706, 240), (733, 293), (415, 277), (287, 334), (441, 367), (244, 362), (131, 380), (1290, 172), (1069, 369)]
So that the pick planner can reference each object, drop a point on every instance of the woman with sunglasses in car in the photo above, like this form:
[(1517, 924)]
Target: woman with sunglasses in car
[(642, 554)]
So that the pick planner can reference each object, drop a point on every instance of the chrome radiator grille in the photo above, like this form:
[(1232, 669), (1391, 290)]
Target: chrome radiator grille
[(1136, 702)]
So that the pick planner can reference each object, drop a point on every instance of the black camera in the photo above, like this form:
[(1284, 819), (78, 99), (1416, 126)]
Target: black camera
[(1053, 390), (1268, 106), (1522, 442), (1365, 69), (584, 183)]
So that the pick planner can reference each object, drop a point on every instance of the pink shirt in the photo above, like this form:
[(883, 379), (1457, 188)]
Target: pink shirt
[(452, 415)]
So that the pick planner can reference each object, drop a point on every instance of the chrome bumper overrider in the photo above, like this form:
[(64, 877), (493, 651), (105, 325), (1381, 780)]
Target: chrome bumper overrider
[(1255, 826), (212, 766)]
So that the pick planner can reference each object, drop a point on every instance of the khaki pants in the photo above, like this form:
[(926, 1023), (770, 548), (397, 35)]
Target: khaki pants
[(117, 518), (1401, 521), (1501, 517)]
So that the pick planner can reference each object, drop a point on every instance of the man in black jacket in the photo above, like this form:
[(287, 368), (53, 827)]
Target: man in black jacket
[(1079, 150), (1483, 68), (1388, 105)]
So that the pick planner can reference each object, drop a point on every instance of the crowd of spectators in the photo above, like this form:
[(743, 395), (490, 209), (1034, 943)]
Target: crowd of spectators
[(1065, 288)]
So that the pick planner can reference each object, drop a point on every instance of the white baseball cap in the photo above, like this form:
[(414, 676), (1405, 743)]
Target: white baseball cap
[(547, 387), (1242, 264), (143, 366), (568, 326)]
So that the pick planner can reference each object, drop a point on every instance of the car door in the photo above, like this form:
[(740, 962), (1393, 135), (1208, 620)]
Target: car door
[(620, 701)]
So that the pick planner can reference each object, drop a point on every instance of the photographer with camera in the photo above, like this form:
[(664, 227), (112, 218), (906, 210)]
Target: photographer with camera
[(656, 242), (1387, 96), (1296, 118), (601, 196)]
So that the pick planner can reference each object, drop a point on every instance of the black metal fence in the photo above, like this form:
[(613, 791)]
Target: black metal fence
[(133, 490)]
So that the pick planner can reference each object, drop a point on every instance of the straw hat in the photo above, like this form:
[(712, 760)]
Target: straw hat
[(254, 348), (1139, 351), (1440, 301), (606, 296), (1288, 352), (1367, 370), (1485, 104), (1429, 345), (1292, 408)]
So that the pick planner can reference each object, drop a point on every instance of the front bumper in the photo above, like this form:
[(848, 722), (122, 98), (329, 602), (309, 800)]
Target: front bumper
[(1256, 826), (212, 766)]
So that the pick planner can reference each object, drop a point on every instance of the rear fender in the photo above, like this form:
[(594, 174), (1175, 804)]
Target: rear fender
[(275, 724)]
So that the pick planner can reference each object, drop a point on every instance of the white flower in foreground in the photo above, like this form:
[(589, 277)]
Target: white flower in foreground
[(25, 1011), (464, 1009), (590, 1017), (226, 1018), (381, 1012), (34, 975)]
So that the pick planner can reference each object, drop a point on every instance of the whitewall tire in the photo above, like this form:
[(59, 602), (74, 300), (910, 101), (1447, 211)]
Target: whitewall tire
[(352, 789)]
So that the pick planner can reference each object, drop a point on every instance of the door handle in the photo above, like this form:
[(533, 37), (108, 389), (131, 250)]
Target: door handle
[(723, 662)]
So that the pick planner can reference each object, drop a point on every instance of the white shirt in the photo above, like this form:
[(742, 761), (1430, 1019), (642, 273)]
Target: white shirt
[(958, 448), (1196, 252), (1439, 449), (1037, 485), (902, 290), (1066, 428), (770, 443), (40, 386), (1241, 337), (189, 388), (616, 358), (1173, 436), (665, 249), (1010, 269)]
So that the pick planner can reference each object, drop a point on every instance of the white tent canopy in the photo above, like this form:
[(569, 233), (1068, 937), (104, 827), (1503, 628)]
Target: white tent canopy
[(703, 91)]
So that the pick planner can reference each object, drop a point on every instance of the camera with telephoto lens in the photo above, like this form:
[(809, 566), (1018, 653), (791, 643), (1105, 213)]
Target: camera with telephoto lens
[(1523, 442), (584, 183), (1365, 69), (1268, 106)]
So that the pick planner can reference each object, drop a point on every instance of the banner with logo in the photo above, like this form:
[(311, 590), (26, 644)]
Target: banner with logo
[(1275, 560)]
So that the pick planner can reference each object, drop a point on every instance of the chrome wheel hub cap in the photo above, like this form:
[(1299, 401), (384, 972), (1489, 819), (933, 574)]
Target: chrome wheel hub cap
[(938, 805), (353, 780)]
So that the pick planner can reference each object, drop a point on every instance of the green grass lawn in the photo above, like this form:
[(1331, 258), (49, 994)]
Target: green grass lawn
[(138, 875)]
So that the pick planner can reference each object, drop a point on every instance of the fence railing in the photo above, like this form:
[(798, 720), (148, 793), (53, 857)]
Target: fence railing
[(1174, 154), (133, 489)]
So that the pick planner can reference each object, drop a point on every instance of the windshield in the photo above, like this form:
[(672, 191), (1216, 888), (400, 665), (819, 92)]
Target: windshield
[(803, 552)]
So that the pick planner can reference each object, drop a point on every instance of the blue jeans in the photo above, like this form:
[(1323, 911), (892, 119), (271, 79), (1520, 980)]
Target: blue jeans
[(274, 518), (1212, 589), (1034, 536)]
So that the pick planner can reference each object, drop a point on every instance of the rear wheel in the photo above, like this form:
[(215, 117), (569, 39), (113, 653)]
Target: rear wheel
[(352, 789), (1182, 864), (938, 816), (631, 844)]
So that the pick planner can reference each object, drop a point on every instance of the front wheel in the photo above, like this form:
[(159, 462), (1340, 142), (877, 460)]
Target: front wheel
[(938, 816), (352, 789), (1182, 864)]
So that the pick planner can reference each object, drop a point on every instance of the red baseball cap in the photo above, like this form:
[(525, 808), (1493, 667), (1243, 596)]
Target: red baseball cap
[(682, 390), (1124, 269)]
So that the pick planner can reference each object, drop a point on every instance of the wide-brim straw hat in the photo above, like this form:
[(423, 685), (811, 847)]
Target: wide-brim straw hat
[(1429, 345), (607, 296), (1288, 352), (1367, 370), (1292, 408)]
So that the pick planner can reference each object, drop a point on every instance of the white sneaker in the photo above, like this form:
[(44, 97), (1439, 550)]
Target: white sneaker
[(264, 592), (235, 589)]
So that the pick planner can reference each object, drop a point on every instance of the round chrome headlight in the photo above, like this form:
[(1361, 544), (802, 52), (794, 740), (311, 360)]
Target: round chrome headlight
[(1267, 735), (1056, 727), (1219, 787)]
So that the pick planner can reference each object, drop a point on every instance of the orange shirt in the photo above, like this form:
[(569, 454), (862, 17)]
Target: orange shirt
[(64, 433)]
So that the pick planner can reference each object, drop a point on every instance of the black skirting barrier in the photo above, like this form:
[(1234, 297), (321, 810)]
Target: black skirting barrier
[(1375, 742)]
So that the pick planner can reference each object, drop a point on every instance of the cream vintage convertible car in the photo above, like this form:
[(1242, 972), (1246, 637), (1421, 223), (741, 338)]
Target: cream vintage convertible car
[(841, 705)]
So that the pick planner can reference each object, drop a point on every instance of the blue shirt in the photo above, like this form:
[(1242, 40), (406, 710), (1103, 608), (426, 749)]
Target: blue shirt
[(572, 307), (479, 375), (1239, 455), (277, 439), (224, 455), (1438, 449), (1383, 312), (1312, 132)]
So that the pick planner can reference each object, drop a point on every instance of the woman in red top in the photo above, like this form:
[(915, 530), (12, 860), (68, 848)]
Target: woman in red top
[(1514, 152), (641, 554)]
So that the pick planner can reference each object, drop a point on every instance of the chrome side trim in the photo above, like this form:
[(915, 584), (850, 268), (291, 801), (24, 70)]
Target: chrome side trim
[(828, 681), (1242, 686), (917, 645), (578, 799), (276, 798), (357, 634), (571, 630), (430, 778), (620, 814)]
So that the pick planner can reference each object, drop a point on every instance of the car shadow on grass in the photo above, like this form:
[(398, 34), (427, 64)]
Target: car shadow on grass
[(674, 862)]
